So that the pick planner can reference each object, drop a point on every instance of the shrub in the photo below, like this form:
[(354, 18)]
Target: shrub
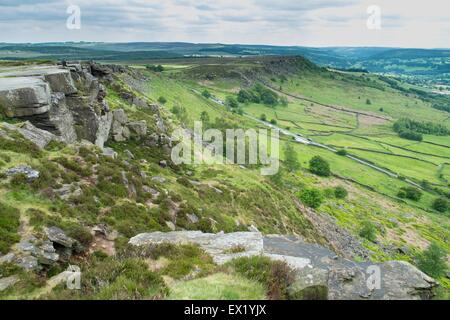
[(319, 166), (340, 192), (273, 121), (231, 102), (441, 204), (311, 197), (9, 226), (206, 94), (341, 152), (263, 117), (433, 261), (368, 231), (162, 100), (410, 193), (155, 68), (276, 276), (19, 180)]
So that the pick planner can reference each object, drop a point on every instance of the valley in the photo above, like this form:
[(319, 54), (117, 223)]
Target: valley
[(112, 186)]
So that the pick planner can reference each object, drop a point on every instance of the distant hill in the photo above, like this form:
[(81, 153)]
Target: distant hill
[(431, 64)]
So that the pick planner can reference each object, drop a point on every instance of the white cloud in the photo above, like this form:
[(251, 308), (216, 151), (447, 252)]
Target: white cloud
[(405, 23)]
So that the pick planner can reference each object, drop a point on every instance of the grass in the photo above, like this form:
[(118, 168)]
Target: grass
[(9, 227), (219, 286)]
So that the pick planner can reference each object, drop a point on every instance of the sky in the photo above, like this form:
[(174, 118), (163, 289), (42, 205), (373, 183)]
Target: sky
[(402, 23)]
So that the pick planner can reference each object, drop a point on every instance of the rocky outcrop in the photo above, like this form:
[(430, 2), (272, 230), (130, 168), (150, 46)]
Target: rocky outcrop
[(122, 129), (67, 101), (22, 96), (38, 136), (318, 272), (339, 239), (30, 173)]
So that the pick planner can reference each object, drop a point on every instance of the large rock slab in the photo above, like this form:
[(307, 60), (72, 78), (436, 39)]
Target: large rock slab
[(59, 79), (24, 96), (318, 272), (217, 245)]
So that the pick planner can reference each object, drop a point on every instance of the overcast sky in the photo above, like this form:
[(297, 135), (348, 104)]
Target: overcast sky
[(404, 23)]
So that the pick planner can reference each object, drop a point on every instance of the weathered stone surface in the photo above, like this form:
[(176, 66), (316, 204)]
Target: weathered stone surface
[(58, 78), (216, 245), (192, 218), (30, 173), (120, 116), (27, 262), (339, 239), (24, 96), (45, 95), (68, 190), (38, 136), (104, 126), (138, 128), (109, 152), (58, 236), (318, 272), (159, 179), (7, 282), (7, 258)]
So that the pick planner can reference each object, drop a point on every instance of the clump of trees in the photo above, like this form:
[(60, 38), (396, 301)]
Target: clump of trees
[(413, 130), (319, 166), (260, 94), (410, 193), (410, 135), (155, 68)]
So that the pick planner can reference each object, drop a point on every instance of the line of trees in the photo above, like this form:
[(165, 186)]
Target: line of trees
[(414, 130)]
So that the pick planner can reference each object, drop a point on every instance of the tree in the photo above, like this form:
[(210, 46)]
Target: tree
[(340, 192), (274, 122), (263, 117), (232, 102), (441, 205), (368, 101), (319, 166), (204, 118), (162, 100), (291, 158), (342, 152), (181, 113), (311, 197), (368, 231), (206, 94), (433, 261), (284, 101)]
